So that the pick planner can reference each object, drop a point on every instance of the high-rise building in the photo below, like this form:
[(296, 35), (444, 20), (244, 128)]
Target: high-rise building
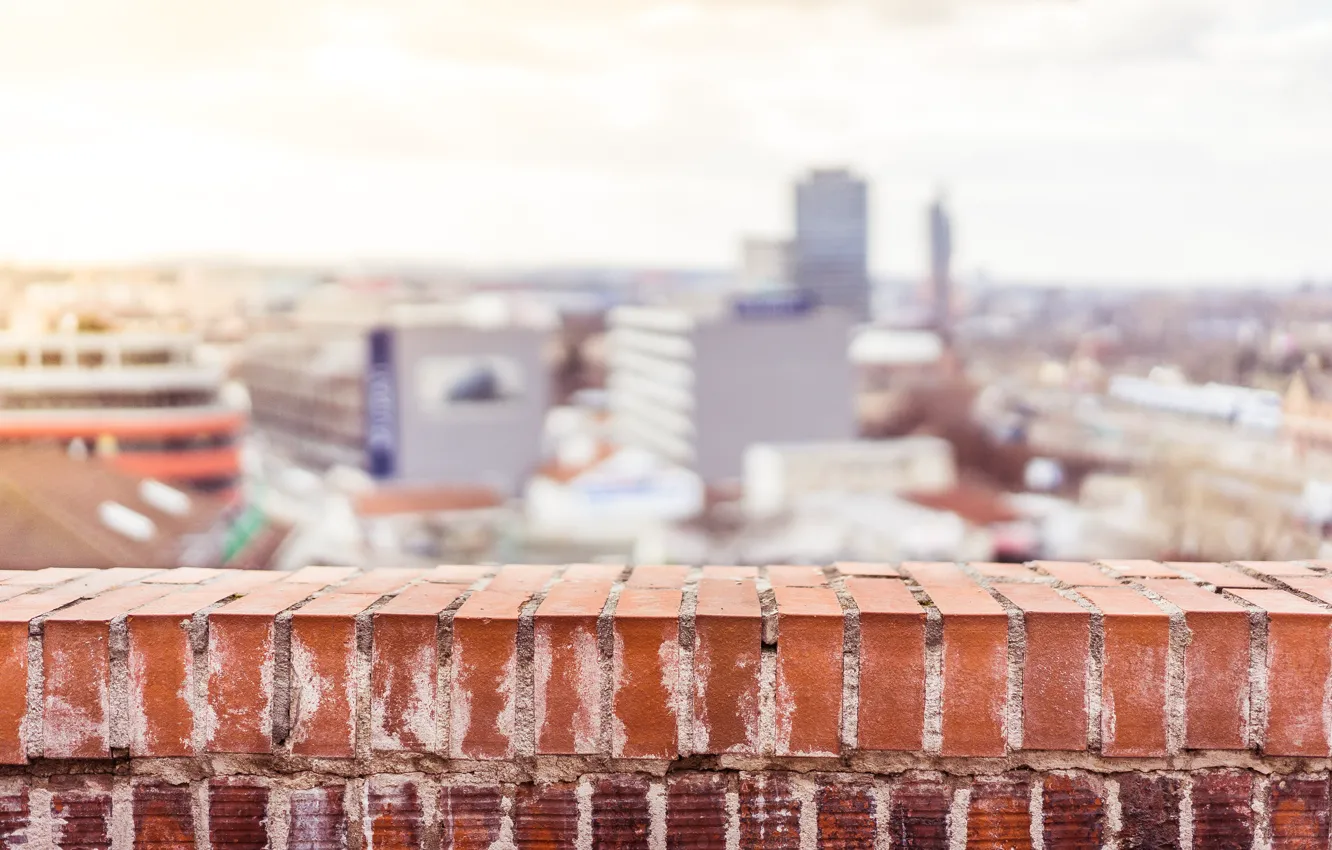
[(698, 389), (941, 254), (832, 240)]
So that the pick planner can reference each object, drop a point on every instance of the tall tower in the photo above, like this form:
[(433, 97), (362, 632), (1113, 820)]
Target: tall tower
[(941, 255), (832, 240)]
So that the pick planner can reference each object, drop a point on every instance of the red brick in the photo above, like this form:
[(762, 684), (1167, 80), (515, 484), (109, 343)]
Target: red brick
[(891, 715), (809, 671), (464, 574), (599, 573), (161, 664), (646, 670), (1276, 569), (323, 675), (1149, 811), (318, 819), (382, 582), (1223, 809), (237, 815), (163, 816), (918, 814), (1072, 812), (975, 670), (620, 816), (999, 816), (484, 690), (76, 672), (1007, 572), (1139, 569), (567, 668), (1133, 675), (241, 650), (1319, 587), (1054, 675), (323, 576), (939, 575), (1299, 813), (727, 648), (48, 577), (404, 669), (545, 817), (189, 575), (397, 820), (1217, 575), (696, 816), (730, 573), (848, 568), (846, 814), (1298, 665), (15, 615), (470, 816), (769, 812), (784, 576), (1075, 573), (14, 818), (81, 813), (1216, 665), (521, 578), (659, 575)]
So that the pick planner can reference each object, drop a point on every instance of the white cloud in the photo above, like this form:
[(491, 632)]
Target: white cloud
[(1103, 138)]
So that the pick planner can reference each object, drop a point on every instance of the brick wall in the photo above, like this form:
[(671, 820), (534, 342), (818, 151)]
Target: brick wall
[(1120, 704)]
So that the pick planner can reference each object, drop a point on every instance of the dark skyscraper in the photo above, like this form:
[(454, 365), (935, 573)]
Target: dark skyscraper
[(832, 240), (941, 254)]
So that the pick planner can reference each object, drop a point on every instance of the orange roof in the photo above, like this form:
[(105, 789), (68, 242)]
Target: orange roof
[(976, 505), (387, 501)]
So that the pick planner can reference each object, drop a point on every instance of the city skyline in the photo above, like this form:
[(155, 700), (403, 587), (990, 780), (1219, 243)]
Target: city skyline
[(1165, 141)]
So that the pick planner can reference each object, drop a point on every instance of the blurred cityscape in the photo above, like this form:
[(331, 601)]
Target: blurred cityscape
[(792, 408)]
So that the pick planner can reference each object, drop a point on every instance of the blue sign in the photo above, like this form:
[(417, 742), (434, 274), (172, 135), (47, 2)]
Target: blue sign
[(381, 407), (773, 305)]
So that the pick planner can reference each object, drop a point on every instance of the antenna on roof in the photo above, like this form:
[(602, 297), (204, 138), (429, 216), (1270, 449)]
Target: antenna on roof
[(122, 520)]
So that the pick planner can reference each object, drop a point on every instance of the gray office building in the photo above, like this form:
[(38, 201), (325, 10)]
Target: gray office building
[(416, 403), (832, 241), (699, 389)]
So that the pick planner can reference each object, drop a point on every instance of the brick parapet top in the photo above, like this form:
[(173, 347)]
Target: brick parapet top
[(468, 663)]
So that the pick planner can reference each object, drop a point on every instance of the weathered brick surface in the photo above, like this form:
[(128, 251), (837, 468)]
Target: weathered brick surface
[(1133, 675), (1072, 812), (163, 817), (318, 818), (1299, 812), (769, 811), (237, 815), (438, 708), (1149, 811), (728, 642), (808, 694), (847, 814), (81, 814), (620, 813), (918, 814), (470, 816), (567, 667), (396, 819), (1223, 809), (546, 817), (14, 816), (696, 816)]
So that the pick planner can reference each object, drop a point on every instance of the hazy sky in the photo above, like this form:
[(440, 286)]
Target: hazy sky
[(1103, 139)]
